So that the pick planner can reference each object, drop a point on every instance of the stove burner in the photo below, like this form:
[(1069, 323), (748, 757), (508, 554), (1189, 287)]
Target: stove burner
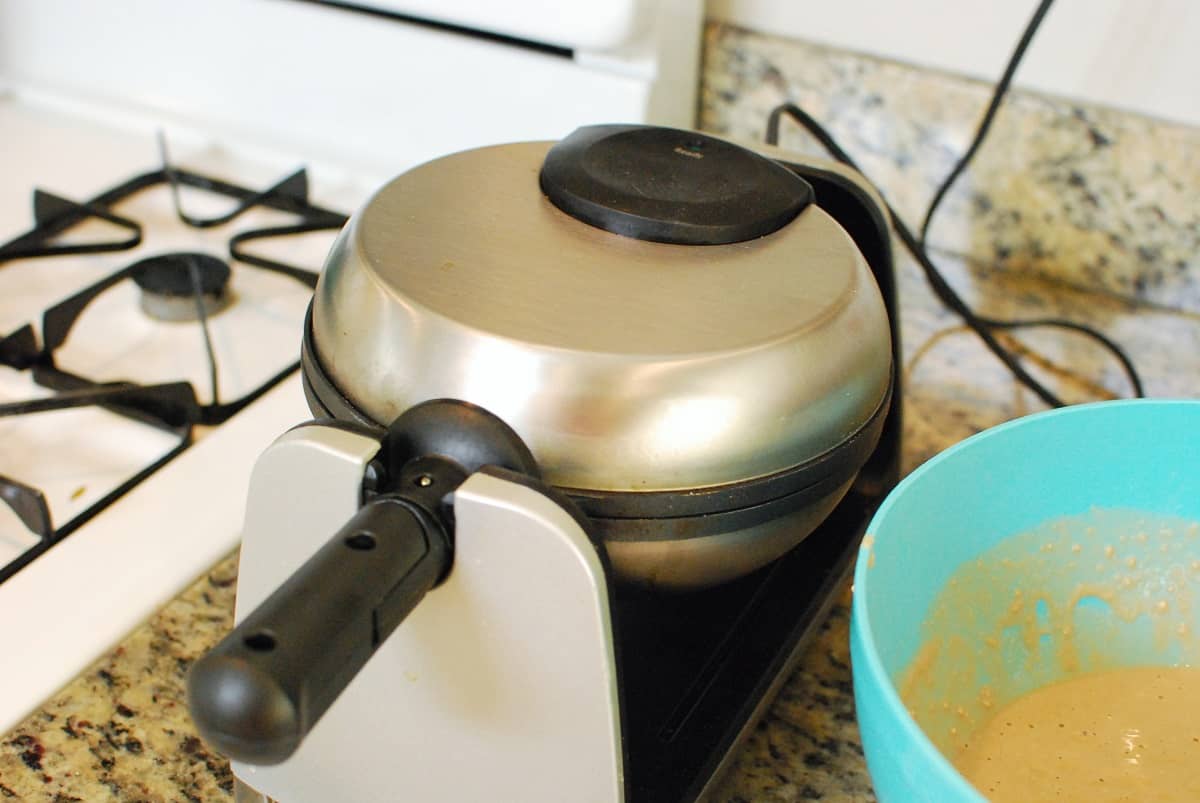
[(171, 407), (176, 286)]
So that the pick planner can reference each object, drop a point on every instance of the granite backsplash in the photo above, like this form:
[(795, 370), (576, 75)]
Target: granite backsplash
[(1101, 199)]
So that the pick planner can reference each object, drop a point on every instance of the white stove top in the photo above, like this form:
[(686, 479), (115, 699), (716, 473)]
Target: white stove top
[(78, 598), (356, 98)]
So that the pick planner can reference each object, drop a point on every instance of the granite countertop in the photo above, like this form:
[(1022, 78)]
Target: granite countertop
[(120, 732)]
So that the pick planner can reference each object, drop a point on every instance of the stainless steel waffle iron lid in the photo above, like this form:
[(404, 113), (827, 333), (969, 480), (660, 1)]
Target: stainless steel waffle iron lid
[(651, 310)]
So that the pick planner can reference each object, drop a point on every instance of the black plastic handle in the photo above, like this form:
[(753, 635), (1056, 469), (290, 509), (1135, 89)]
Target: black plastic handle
[(259, 692)]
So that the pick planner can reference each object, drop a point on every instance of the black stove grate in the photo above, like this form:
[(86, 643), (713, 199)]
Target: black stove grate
[(172, 407)]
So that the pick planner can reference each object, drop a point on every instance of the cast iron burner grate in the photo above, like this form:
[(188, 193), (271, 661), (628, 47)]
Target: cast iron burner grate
[(192, 285)]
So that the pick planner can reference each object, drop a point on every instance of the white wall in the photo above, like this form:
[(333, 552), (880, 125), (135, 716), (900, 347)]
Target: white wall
[(1141, 55)]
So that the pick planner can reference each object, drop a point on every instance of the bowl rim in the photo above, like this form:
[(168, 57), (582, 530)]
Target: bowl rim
[(860, 620)]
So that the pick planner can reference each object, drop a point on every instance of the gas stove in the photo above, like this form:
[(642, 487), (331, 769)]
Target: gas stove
[(159, 241), (152, 148), (131, 407)]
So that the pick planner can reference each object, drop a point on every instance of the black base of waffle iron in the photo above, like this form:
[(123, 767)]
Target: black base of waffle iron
[(698, 670)]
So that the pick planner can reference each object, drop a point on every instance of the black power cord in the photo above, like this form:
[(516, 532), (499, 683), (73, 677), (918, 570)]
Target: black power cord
[(983, 326), (985, 125)]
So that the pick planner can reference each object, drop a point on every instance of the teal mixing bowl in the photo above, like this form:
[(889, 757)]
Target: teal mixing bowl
[(1141, 455)]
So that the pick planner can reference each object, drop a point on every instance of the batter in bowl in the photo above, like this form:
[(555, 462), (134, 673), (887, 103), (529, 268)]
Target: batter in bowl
[(1123, 735)]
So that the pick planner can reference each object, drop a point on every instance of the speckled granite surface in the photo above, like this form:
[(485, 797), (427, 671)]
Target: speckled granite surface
[(1098, 198), (120, 732)]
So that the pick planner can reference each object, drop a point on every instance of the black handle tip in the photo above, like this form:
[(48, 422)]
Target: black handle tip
[(242, 711)]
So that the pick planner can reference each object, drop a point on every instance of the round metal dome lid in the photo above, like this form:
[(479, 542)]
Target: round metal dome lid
[(626, 365)]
